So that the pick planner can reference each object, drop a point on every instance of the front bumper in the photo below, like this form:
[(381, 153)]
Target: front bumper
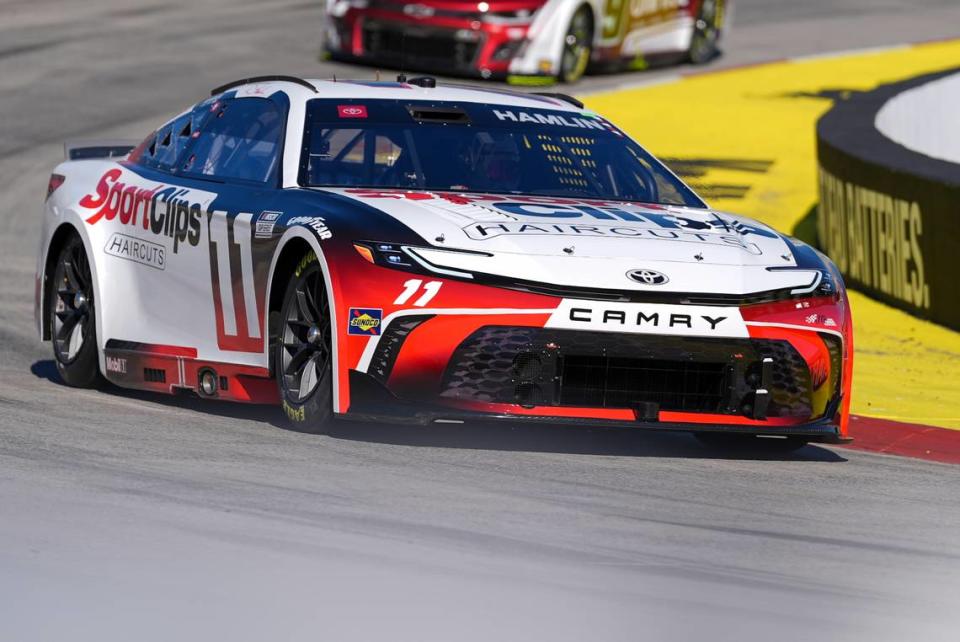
[(443, 44), (470, 364), (374, 403)]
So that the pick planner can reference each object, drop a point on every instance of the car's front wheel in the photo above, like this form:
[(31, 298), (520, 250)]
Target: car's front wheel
[(73, 326), (704, 45), (577, 45), (303, 356)]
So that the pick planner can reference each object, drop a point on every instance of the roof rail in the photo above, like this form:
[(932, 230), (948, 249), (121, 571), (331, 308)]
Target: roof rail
[(247, 81), (564, 97)]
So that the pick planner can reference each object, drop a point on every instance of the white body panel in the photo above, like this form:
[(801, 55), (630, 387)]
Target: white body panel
[(549, 27), (689, 245), (156, 284)]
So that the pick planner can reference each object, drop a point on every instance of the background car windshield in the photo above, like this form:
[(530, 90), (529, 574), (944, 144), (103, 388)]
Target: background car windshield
[(480, 148)]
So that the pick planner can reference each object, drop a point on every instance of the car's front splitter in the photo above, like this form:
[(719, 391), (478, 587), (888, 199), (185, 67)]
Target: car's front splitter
[(372, 402)]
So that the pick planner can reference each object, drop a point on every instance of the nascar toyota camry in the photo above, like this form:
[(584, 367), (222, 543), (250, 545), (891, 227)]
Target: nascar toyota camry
[(399, 251), (523, 40)]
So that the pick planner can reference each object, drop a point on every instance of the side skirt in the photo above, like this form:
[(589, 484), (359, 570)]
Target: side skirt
[(169, 369)]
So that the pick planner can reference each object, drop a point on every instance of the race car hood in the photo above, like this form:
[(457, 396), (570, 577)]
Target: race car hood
[(591, 244)]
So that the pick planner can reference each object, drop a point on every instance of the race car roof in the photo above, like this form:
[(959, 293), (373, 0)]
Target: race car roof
[(372, 90)]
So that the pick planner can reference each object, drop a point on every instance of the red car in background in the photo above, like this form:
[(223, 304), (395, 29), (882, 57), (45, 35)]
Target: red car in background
[(523, 40)]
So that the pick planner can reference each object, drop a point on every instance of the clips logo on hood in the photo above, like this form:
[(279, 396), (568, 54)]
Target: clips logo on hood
[(160, 209)]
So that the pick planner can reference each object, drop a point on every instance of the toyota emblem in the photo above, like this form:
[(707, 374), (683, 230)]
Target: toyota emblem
[(647, 277)]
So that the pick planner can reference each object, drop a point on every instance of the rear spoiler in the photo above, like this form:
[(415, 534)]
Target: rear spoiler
[(86, 149)]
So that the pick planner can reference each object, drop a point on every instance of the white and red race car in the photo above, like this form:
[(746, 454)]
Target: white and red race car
[(405, 252), (523, 40)]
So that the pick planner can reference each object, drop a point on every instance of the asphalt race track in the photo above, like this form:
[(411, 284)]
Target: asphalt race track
[(127, 516)]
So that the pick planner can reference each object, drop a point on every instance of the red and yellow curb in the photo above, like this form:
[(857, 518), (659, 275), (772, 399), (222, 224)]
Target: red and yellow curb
[(876, 435)]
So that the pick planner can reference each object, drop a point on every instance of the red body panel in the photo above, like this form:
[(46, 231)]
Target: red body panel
[(478, 46), (461, 308)]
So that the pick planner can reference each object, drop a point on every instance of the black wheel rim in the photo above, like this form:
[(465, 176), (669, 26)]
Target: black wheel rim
[(706, 31), (305, 339), (576, 47), (73, 304)]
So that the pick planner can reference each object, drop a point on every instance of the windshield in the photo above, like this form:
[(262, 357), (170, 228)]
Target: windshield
[(470, 147)]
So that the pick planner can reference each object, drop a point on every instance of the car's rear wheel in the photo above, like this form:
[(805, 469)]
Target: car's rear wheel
[(303, 357), (73, 327), (748, 442), (577, 45), (704, 45)]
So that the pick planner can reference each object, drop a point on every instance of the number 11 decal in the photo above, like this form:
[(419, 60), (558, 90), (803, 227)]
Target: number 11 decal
[(235, 301), (412, 286)]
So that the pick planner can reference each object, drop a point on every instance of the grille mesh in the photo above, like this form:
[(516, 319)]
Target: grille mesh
[(431, 47), (536, 366)]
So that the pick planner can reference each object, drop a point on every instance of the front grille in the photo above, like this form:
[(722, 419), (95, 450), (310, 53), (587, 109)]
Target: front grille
[(544, 367), (790, 390), (621, 382), (418, 46)]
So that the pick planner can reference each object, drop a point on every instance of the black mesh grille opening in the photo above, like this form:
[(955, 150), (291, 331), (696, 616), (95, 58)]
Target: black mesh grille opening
[(790, 391), (619, 382), (539, 366), (430, 47)]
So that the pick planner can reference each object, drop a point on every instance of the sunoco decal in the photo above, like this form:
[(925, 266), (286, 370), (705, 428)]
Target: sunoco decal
[(364, 321)]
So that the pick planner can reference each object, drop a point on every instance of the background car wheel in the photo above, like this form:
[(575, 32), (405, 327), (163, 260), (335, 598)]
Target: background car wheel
[(746, 442), (303, 357), (73, 327), (706, 32), (577, 45)]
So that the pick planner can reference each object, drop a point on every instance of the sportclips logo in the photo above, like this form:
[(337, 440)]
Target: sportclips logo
[(162, 209)]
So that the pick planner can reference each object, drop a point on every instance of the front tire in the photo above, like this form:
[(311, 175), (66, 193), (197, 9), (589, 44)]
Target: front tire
[(704, 44), (577, 46), (303, 357), (73, 318)]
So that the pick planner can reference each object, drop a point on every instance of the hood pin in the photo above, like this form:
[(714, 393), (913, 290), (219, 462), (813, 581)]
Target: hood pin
[(569, 250), (440, 239), (699, 257)]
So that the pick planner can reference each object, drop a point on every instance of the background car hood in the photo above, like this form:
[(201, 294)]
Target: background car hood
[(589, 243)]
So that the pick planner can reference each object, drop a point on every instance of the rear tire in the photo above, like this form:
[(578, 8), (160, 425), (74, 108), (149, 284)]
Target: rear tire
[(73, 318), (577, 46), (303, 357), (704, 44), (748, 442)]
